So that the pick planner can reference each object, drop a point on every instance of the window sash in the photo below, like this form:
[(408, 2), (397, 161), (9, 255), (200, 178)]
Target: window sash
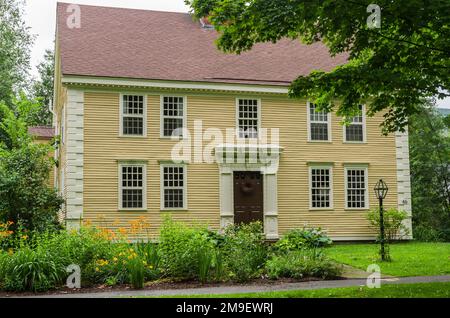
[(355, 131), (125, 126), (356, 188), (173, 187), (165, 102), (248, 118), (319, 124), (135, 190), (321, 187)]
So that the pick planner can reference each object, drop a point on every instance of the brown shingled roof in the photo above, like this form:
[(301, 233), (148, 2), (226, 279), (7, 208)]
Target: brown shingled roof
[(141, 44), (42, 132)]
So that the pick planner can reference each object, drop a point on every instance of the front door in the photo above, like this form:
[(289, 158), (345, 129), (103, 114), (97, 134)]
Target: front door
[(248, 197)]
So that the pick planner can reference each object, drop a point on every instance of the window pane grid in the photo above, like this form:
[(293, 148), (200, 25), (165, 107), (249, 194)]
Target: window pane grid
[(173, 187), (319, 124), (133, 115), (173, 115), (355, 131), (132, 187), (248, 118), (320, 188), (356, 188)]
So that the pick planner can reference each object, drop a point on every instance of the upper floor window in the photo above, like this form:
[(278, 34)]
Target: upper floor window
[(248, 117), (321, 187), (356, 188), (319, 124), (132, 180), (133, 110), (355, 131), (173, 187), (173, 116)]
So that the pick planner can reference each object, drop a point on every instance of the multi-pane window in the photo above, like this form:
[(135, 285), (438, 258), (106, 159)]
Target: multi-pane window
[(173, 112), (133, 115), (356, 179), (321, 192), (319, 124), (173, 187), (248, 118), (132, 186), (354, 132)]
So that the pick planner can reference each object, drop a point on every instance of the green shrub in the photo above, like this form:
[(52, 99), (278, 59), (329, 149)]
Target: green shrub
[(180, 247), (303, 238), (426, 233), (244, 251), (30, 270), (25, 196), (393, 223), (302, 264)]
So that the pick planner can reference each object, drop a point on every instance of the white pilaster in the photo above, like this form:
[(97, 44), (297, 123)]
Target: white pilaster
[(404, 178), (75, 157)]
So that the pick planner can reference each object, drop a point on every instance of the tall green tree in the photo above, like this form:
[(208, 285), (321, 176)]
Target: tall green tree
[(42, 89), (15, 44), (391, 68), (25, 195), (430, 174)]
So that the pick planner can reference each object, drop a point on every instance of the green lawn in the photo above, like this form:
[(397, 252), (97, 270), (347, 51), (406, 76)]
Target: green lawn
[(408, 259), (427, 290)]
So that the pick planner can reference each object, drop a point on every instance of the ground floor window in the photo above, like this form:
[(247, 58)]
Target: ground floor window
[(320, 187), (356, 188), (132, 186), (173, 187)]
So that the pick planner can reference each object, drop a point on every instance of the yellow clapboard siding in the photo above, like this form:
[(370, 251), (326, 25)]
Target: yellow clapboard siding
[(103, 146)]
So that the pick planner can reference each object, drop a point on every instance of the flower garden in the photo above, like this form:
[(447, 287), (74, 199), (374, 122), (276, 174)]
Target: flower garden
[(37, 262)]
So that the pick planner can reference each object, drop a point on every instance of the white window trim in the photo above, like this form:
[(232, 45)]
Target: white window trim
[(144, 116), (330, 138), (357, 167), (323, 166), (344, 134), (161, 116), (144, 184), (238, 137), (185, 186)]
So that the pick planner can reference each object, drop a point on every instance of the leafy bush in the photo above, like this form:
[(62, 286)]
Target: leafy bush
[(181, 249), (303, 238), (30, 270), (393, 223), (25, 196), (427, 233), (302, 264), (244, 251)]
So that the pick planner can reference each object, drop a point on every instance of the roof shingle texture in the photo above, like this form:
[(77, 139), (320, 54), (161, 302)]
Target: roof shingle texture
[(43, 132), (141, 44)]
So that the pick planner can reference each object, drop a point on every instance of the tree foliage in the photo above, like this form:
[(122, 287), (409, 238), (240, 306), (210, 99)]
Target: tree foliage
[(42, 89), (15, 43), (390, 69), (430, 174), (25, 196)]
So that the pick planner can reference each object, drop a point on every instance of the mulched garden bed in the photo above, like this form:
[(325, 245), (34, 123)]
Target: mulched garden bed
[(161, 285)]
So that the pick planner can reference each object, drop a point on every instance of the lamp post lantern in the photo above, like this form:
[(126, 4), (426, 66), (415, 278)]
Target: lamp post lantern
[(381, 190)]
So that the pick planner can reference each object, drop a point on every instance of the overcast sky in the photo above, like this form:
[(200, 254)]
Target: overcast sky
[(40, 16)]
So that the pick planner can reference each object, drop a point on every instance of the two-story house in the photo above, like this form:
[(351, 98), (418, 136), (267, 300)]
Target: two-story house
[(155, 120)]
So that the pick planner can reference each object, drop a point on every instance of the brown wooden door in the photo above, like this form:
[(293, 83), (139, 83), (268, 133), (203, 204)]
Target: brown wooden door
[(248, 197)]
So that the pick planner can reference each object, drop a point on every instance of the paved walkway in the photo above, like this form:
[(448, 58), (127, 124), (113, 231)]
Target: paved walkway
[(252, 288)]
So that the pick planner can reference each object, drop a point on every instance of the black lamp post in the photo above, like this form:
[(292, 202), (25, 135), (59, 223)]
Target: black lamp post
[(381, 190)]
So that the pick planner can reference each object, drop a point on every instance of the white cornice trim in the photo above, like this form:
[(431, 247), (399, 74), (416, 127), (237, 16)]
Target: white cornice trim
[(97, 81)]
